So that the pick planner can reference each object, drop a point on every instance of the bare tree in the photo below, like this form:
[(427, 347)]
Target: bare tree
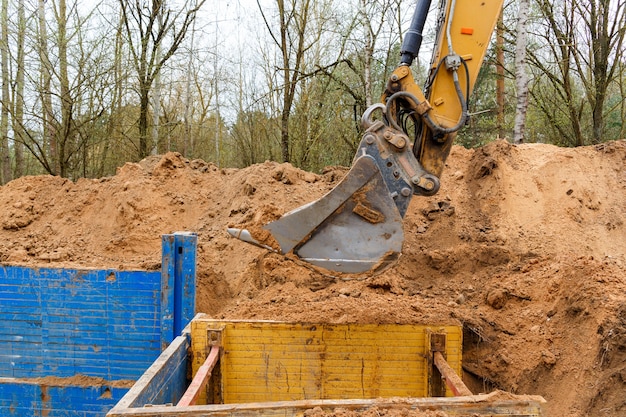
[(290, 37), (188, 138), (66, 129), (371, 36), (47, 148), (372, 19), (117, 73), (580, 48), (605, 24), (70, 97), (152, 26)]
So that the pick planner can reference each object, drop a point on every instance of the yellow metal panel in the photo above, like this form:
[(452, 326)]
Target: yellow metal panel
[(482, 17), (271, 361)]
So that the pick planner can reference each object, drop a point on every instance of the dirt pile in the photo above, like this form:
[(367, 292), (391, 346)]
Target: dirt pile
[(525, 246)]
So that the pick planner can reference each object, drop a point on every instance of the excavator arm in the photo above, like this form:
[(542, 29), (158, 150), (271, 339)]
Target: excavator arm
[(357, 226)]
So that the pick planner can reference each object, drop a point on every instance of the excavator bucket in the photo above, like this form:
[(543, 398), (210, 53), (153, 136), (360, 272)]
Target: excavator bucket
[(354, 228), (357, 226)]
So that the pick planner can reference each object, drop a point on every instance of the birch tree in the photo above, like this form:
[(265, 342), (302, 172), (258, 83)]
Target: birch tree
[(5, 160), (500, 65), (372, 19), (521, 77)]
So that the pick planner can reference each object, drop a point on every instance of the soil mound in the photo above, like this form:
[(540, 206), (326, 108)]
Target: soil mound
[(525, 246)]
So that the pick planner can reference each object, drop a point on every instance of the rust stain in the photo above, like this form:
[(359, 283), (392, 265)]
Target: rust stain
[(368, 213)]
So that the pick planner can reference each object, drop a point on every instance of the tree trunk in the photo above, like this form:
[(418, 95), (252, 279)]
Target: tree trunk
[(144, 103), (5, 155), (116, 100), (521, 78), (18, 109), (49, 146), (156, 95), (602, 33), (291, 44), (500, 77), (156, 113), (66, 134), (188, 150), (284, 121), (367, 59)]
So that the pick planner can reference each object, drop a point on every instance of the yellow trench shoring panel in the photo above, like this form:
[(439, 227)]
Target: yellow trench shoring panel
[(274, 361)]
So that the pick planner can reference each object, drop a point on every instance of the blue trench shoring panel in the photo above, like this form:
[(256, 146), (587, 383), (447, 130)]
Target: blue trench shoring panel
[(32, 399), (100, 323)]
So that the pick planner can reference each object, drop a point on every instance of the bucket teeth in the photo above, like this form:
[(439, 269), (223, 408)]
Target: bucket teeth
[(246, 236)]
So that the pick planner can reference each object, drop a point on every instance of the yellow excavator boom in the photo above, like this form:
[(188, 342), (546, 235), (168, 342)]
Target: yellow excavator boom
[(357, 226)]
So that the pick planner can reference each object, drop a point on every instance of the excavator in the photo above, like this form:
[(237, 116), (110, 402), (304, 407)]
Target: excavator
[(358, 226)]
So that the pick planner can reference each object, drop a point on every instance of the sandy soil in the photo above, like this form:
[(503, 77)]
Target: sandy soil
[(525, 246)]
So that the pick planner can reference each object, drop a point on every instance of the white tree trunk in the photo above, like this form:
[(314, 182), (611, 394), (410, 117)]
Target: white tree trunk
[(156, 104), (5, 159), (521, 77)]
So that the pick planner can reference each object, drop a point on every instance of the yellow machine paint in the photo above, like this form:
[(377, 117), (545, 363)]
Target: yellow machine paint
[(271, 361), (470, 32)]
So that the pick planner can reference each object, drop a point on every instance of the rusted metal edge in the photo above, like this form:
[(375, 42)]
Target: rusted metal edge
[(496, 404), (201, 379), (143, 391), (453, 380)]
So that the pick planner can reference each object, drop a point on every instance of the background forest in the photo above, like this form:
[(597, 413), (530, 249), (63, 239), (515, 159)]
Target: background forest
[(87, 86)]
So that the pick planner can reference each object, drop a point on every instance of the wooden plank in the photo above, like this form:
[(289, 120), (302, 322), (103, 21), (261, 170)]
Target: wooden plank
[(200, 380), (453, 381), (315, 341), (493, 405)]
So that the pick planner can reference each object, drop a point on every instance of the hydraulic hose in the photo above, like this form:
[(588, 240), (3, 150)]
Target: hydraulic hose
[(436, 128), (448, 26), (413, 38)]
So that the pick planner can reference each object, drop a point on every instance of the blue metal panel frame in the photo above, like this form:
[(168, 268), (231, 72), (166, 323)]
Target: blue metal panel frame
[(64, 322), (185, 282), (167, 289), (178, 286), (101, 323)]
